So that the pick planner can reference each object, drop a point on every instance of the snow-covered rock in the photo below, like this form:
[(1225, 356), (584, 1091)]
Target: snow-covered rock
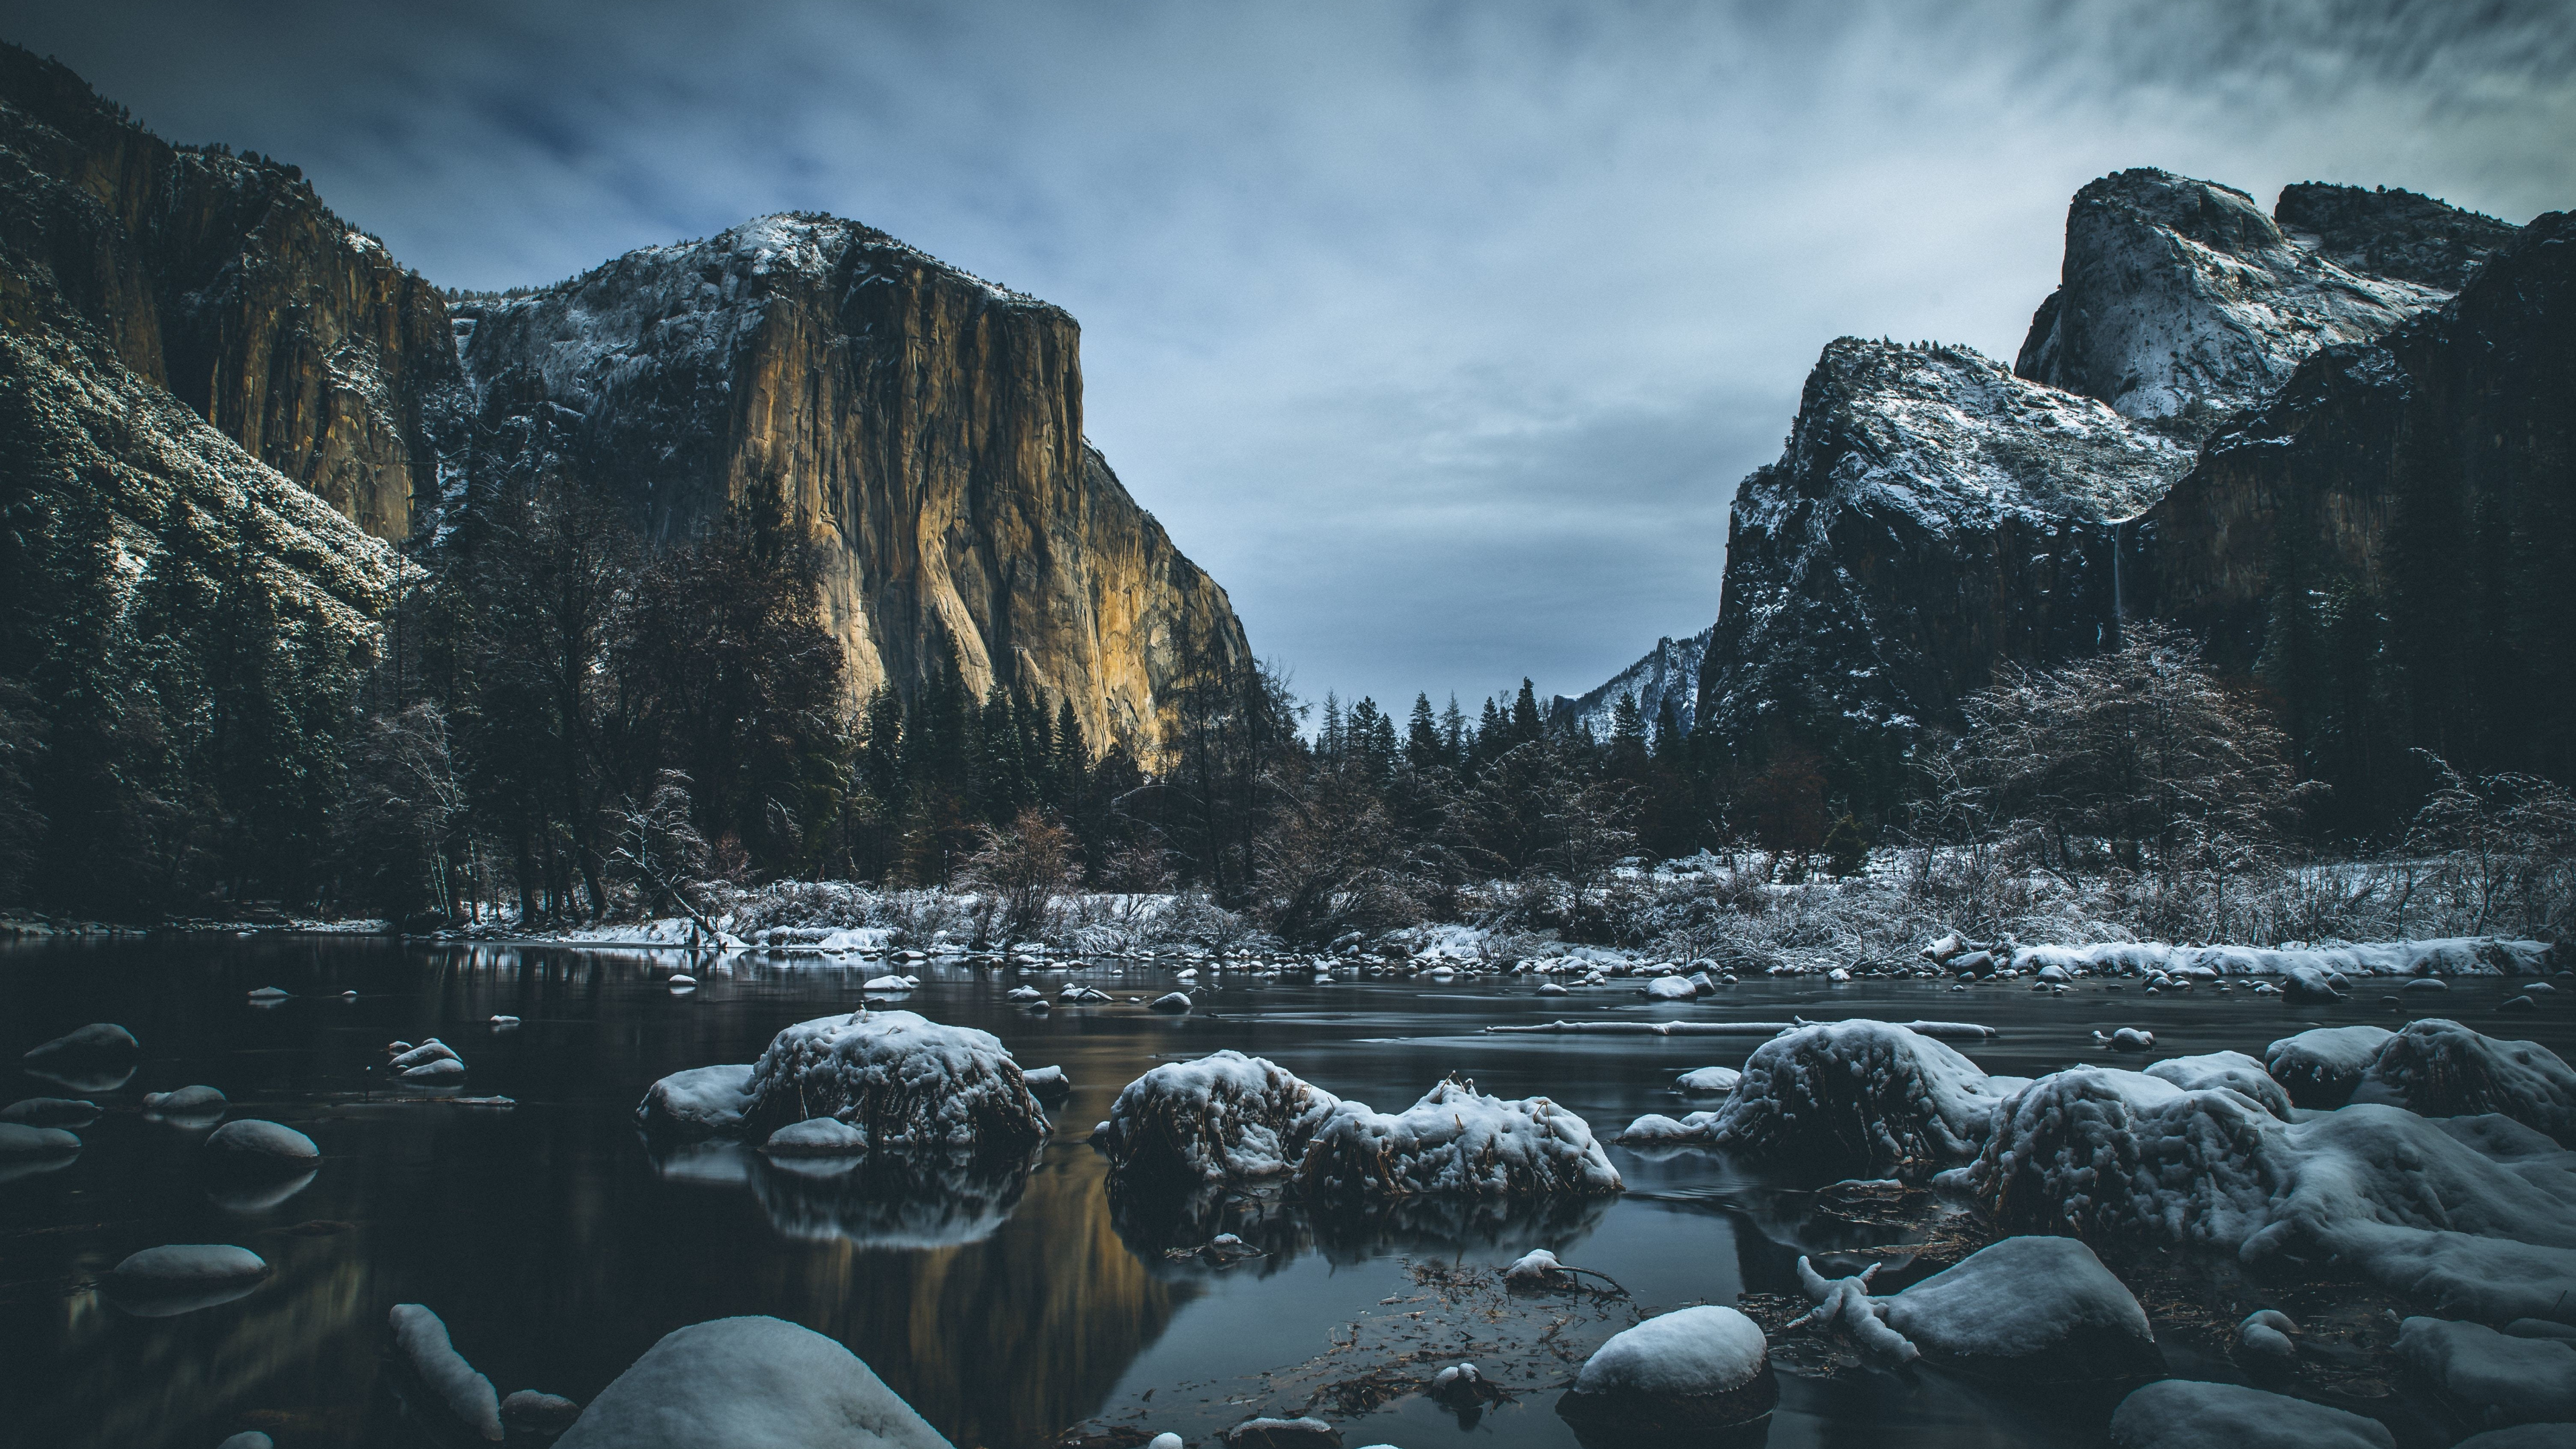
[(889, 985), (1707, 1081), (2514, 1380), (198, 1101), (437, 1072), (748, 1383), (530, 1412), (69, 1113), (1048, 1084), (266, 994), (901, 1079), (99, 1057), (1657, 1130), (816, 1137), (1694, 1369), (2233, 1070), (2263, 1343), (700, 1102), (1537, 1268), (421, 1337), (2443, 1069), (2321, 1068), (183, 1277), (1858, 1096), (1457, 1142), (2184, 1414), (250, 1147), (2476, 1214), (2449, 956), (19, 1141), (2308, 984), (1273, 1433), (2028, 1310), (1670, 988), (432, 1050), (1172, 1002), (1222, 1118), (248, 1439)]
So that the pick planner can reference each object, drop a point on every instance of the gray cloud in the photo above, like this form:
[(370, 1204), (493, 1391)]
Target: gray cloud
[(1440, 333)]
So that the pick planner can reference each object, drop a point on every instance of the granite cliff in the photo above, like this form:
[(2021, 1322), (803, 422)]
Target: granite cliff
[(1934, 516), (922, 425)]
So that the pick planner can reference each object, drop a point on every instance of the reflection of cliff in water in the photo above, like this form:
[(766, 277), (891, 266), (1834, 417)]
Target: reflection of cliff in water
[(929, 1203), (997, 1341), (121, 1382)]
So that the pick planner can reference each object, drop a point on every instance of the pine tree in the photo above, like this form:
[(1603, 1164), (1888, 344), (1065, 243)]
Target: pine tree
[(1422, 747)]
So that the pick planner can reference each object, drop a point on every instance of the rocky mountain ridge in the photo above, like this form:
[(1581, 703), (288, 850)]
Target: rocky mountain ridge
[(922, 425), (1667, 675)]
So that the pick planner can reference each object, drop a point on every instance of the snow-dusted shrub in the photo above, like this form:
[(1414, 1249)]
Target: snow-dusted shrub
[(1455, 1141), (904, 1081), (1858, 1096), (1226, 1117), (2443, 1069)]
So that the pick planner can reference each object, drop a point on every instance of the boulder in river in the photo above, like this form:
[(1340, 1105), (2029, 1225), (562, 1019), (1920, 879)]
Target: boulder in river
[(251, 1148), (748, 1383), (1674, 1376)]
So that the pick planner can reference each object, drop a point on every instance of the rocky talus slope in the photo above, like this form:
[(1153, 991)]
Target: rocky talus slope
[(924, 425)]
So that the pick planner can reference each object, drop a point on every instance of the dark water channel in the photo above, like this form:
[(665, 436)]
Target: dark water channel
[(558, 1247)]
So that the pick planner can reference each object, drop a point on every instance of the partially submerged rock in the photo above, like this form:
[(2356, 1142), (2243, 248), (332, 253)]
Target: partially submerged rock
[(2233, 1070), (421, 1337), (69, 1113), (530, 1412), (2306, 984), (2028, 1310), (1225, 1117), (1681, 1373), (99, 1057), (2184, 1414), (816, 1137), (1657, 1130), (2511, 1380), (749, 1383), (2443, 1069), (1707, 1082), (185, 1102), (1048, 1084), (905, 1081), (700, 1102), (251, 1148), (1455, 1142), (2321, 1068), (182, 1278), (1269, 1433), (1858, 1096)]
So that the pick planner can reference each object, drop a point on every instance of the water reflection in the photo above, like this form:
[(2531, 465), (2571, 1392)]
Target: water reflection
[(903, 1204)]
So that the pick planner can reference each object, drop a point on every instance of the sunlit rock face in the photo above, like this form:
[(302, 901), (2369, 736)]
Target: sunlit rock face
[(2181, 301), (226, 280), (923, 425)]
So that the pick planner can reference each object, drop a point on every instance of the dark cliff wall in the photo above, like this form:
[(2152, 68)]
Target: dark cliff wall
[(225, 280), (923, 425), (2391, 543)]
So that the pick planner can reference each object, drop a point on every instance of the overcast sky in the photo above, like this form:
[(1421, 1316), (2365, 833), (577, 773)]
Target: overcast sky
[(1440, 333)]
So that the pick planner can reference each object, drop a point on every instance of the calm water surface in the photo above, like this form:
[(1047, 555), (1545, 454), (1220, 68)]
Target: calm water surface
[(558, 1246)]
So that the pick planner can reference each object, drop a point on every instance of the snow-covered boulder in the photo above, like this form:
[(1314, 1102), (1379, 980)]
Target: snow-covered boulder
[(1048, 1084), (748, 1383), (1675, 1375), (183, 1277), (700, 1102), (903, 1080), (1858, 1096), (414, 1058), (1170, 1003), (99, 1057), (18, 1141), (69, 1113), (530, 1412), (1274, 1433), (1657, 1130), (2443, 1069), (2028, 1310), (816, 1137), (1455, 1142), (1223, 1118), (1538, 1268), (1670, 988), (1707, 1082), (2185, 1414), (2321, 1068), (2512, 1380), (2308, 984), (421, 1338), (253, 1148), (185, 1102), (2233, 1070)]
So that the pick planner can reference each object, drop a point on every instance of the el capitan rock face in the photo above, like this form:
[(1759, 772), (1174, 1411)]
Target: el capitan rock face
[(923, 425), (225, 280)]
